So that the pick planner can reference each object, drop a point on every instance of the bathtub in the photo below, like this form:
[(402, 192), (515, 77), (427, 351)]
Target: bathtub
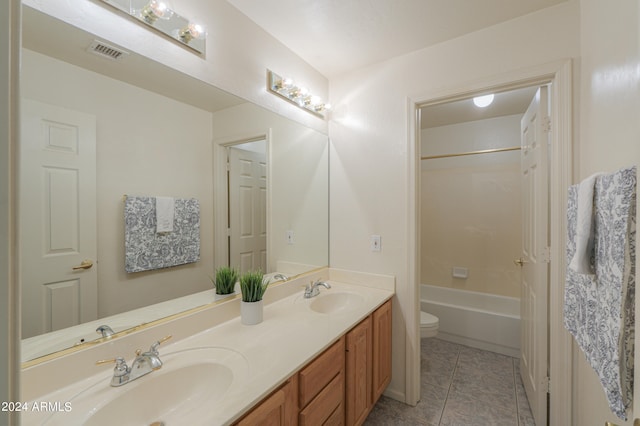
[(480, 320)]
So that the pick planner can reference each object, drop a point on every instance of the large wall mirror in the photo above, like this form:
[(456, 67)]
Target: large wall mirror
[(96, 130)]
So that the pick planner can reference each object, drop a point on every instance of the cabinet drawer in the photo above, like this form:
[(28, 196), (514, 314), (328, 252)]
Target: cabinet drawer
[(315, 376), (336, 418), (323, 407)]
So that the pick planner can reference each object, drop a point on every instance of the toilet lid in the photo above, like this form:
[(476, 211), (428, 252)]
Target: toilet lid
[(428, 319)]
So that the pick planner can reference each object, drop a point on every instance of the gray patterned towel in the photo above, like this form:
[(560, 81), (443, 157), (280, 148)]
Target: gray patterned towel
[(599, 308), (145, 249)]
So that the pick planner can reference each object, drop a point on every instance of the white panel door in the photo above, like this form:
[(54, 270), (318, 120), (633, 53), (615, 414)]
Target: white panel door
[(57, 218), (247, 210), (534, 260)]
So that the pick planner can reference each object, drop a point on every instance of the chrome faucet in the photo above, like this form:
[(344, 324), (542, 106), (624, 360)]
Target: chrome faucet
[(282, 277), (105, 330), (312, 289), (144, 363)]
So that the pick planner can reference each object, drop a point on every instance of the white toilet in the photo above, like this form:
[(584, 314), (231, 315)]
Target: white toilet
[(428, 325)]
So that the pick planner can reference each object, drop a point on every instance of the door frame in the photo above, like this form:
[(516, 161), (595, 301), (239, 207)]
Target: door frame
[(220, 193), (559, 74)]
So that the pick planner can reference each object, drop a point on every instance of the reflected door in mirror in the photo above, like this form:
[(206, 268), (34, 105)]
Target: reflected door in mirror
[(247, 210), (57, 217)]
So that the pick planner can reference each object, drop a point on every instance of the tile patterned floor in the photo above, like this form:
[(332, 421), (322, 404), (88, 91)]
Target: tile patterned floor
[(461, 386)]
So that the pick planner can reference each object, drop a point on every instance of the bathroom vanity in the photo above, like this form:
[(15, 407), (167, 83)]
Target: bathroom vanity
[(340, 386), (319, 360)]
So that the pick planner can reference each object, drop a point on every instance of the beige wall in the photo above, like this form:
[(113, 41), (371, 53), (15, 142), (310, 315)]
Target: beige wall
[(471, 207), (147, 144), (609, 139), (372, 153)]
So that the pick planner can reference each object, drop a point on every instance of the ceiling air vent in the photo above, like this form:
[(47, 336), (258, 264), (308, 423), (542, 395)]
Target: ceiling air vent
[(106, 51)]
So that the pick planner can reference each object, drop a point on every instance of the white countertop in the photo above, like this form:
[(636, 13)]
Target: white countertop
[(290, 336)]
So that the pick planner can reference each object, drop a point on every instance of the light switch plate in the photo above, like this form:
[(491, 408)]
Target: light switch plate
[(376, 243)]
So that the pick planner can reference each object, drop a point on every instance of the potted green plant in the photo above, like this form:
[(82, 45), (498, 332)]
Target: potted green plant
[(252, 286), (225, 282)]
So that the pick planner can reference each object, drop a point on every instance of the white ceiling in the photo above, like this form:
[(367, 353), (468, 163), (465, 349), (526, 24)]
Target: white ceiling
[(336, 36)]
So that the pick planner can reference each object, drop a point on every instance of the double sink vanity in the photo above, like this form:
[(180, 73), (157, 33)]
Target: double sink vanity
[(313, 360)]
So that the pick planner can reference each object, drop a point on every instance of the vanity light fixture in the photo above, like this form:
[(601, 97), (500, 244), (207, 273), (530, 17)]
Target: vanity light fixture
[(154, 10), (159, 15), (299, 95), (192, 31), (483, 101)]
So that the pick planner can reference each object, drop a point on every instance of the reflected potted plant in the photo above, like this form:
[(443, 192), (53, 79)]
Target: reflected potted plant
[(224, 282), (252, 285)]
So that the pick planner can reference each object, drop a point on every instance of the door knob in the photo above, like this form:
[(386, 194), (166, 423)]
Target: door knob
[(520, 262), (85, 264)]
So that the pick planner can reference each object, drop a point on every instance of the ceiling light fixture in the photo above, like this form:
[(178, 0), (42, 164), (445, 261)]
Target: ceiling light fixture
[(483, 101), (287, 89)]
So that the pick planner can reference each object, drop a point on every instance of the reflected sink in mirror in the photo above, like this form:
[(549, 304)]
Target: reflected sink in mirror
[(183, 391), (329, 303), (35, 347)]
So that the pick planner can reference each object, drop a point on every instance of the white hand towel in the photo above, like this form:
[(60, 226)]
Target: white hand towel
[(585, 231), (165, 208)]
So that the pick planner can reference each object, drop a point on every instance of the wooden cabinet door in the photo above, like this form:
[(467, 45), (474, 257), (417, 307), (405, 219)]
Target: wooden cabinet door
[(278, 409), (381, 349), (358, 372)]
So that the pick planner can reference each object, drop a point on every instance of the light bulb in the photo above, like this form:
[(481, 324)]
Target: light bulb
[(156, 9), (483, 101), (287, 82), (192, 31)]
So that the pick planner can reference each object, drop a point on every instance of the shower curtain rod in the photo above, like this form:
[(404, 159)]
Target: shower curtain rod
[(484, 151)]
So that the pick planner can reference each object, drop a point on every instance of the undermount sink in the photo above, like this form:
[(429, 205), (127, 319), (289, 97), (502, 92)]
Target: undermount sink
[(183, 391), (331, 302)]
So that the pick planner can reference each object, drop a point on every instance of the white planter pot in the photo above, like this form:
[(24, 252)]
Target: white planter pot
[(251, 312), (217, 296)]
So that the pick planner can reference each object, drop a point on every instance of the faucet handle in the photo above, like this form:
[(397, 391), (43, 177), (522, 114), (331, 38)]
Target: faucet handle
[(154, 347), (121, 367), (121, 372), (164, 339), (117, 360)]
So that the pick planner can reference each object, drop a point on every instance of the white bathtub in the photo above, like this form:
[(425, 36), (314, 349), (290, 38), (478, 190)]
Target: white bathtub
[(480, 320)]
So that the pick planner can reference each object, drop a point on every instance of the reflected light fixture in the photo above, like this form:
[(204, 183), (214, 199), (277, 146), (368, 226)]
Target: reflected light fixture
[(483, 101), (192, 31), (299, 95), (159, 15), (154, 10)]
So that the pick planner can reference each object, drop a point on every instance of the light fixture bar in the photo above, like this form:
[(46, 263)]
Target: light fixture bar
[(158, 15), (298, 95)]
